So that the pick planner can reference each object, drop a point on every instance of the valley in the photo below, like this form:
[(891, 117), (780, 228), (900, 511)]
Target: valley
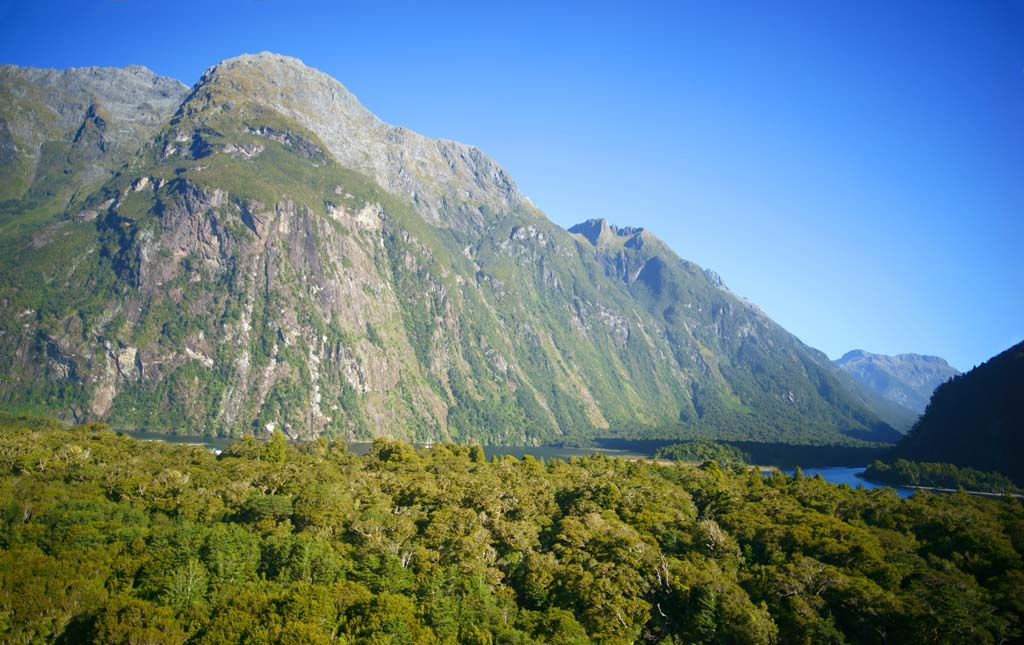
[(276, 370)]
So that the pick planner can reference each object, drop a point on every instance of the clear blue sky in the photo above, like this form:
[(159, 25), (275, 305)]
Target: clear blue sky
[(855, 168)]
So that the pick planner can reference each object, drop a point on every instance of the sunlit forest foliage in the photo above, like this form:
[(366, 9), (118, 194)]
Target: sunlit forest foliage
[(701, 451), (107, 539)]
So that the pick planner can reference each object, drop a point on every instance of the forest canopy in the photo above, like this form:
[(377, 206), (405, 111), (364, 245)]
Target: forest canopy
[(108, 539)]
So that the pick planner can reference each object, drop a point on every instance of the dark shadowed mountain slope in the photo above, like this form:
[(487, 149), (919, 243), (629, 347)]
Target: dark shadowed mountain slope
[(976, 419)]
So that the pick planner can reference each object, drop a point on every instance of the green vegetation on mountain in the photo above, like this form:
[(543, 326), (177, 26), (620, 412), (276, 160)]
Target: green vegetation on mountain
[(976, 419), (272, 256), (107, 539)]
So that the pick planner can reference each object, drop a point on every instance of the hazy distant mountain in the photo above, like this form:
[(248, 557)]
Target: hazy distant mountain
[(263, 252), (976, 419), (906, 379)]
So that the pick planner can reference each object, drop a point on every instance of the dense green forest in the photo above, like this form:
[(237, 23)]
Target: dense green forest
[(701, 451), (916, 473), (108, 539), (975, 419)]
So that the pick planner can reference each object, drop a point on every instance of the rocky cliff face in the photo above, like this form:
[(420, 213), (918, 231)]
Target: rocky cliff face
[(273, 256), (907, 380)]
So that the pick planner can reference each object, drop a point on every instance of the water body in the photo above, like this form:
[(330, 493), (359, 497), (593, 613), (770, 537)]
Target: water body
[(363, 447), (850, 477), (213, 443), (835, 475)]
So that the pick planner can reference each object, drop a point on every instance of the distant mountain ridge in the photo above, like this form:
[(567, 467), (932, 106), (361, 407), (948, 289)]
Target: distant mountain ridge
[(267, 254), (907, 380)]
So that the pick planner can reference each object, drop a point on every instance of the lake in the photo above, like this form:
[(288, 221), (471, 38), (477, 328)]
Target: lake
[(840, 475)]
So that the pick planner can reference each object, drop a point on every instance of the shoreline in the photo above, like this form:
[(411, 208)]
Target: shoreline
[(939, 489)]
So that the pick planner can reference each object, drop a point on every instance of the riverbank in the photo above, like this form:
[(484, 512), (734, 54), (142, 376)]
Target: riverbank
[(939, 489), (942, 477)]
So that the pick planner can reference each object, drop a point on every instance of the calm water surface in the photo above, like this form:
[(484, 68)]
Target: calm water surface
[(849, 476), (217, 443)]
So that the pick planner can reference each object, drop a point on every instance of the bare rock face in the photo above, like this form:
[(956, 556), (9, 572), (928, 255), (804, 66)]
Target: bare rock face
[(137, 100)]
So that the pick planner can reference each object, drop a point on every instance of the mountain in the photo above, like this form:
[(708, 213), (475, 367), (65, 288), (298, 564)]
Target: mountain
[(976, 419), (63, 130), (273, 256), (907, 380)]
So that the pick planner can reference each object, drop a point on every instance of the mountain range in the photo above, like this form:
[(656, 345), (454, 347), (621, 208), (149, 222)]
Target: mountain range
[(260, 252), (904, 381)]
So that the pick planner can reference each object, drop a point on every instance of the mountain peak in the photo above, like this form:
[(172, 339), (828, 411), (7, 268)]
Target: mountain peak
[(904, 379), (285, 83), (265, 57), (860, 354), (135, 98), (600, 233), (852, 355), (450, 184)]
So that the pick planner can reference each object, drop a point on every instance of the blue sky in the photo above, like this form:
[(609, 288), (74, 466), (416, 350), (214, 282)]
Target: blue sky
[(855, 168)]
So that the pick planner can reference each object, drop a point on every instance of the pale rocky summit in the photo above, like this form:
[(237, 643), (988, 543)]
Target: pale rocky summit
[(448, 182), (134, 98)]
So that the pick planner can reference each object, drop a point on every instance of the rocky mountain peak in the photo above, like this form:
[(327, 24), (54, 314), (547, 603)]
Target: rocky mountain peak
[(135, 98), (863, 355), (852, 355), (592, 229), (105, 112), (715, 279), (449, 183), (602, 234), (287, 84)]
